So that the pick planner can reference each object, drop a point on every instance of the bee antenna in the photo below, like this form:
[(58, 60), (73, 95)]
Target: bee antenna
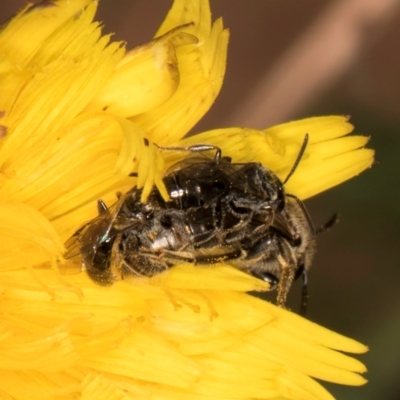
[(299, 157)]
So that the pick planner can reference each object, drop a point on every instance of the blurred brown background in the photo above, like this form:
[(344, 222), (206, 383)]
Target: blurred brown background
[(290, 59)]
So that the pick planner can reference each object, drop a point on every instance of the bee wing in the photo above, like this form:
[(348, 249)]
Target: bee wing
[(94, 231), (73, 244), (282, 226)]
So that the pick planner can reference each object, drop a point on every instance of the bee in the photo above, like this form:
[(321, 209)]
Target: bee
[(218, 211), (286, 252)]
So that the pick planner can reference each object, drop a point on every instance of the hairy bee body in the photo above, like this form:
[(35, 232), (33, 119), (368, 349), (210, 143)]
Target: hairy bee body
[(218, 211)]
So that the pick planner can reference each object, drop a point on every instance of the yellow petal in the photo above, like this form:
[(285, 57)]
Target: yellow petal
[(100, 388), (25, 34), (183, 12), (329, 158), (183, 277), (241, 144), (54, 95), (318, 128), (190, 333), (201, 68), (38, 36), (145, 78), (177, 342), (28, 238), (313, 178)]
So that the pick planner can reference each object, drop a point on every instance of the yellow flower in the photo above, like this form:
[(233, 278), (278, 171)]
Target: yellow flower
[(74, 111)]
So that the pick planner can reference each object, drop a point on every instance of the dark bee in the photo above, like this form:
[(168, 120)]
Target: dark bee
[(287, 252), (218, 211)]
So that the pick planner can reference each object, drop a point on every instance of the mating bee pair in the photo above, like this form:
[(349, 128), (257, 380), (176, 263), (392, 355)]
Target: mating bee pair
[(218, 211)]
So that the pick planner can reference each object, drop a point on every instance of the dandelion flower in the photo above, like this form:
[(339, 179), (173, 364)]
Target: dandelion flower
[(78, 114)]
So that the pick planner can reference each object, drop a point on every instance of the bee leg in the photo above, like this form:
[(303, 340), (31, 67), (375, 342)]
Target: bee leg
[(101, 207), (285, 281), (332, 221), (196, 148), (304, 294)]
